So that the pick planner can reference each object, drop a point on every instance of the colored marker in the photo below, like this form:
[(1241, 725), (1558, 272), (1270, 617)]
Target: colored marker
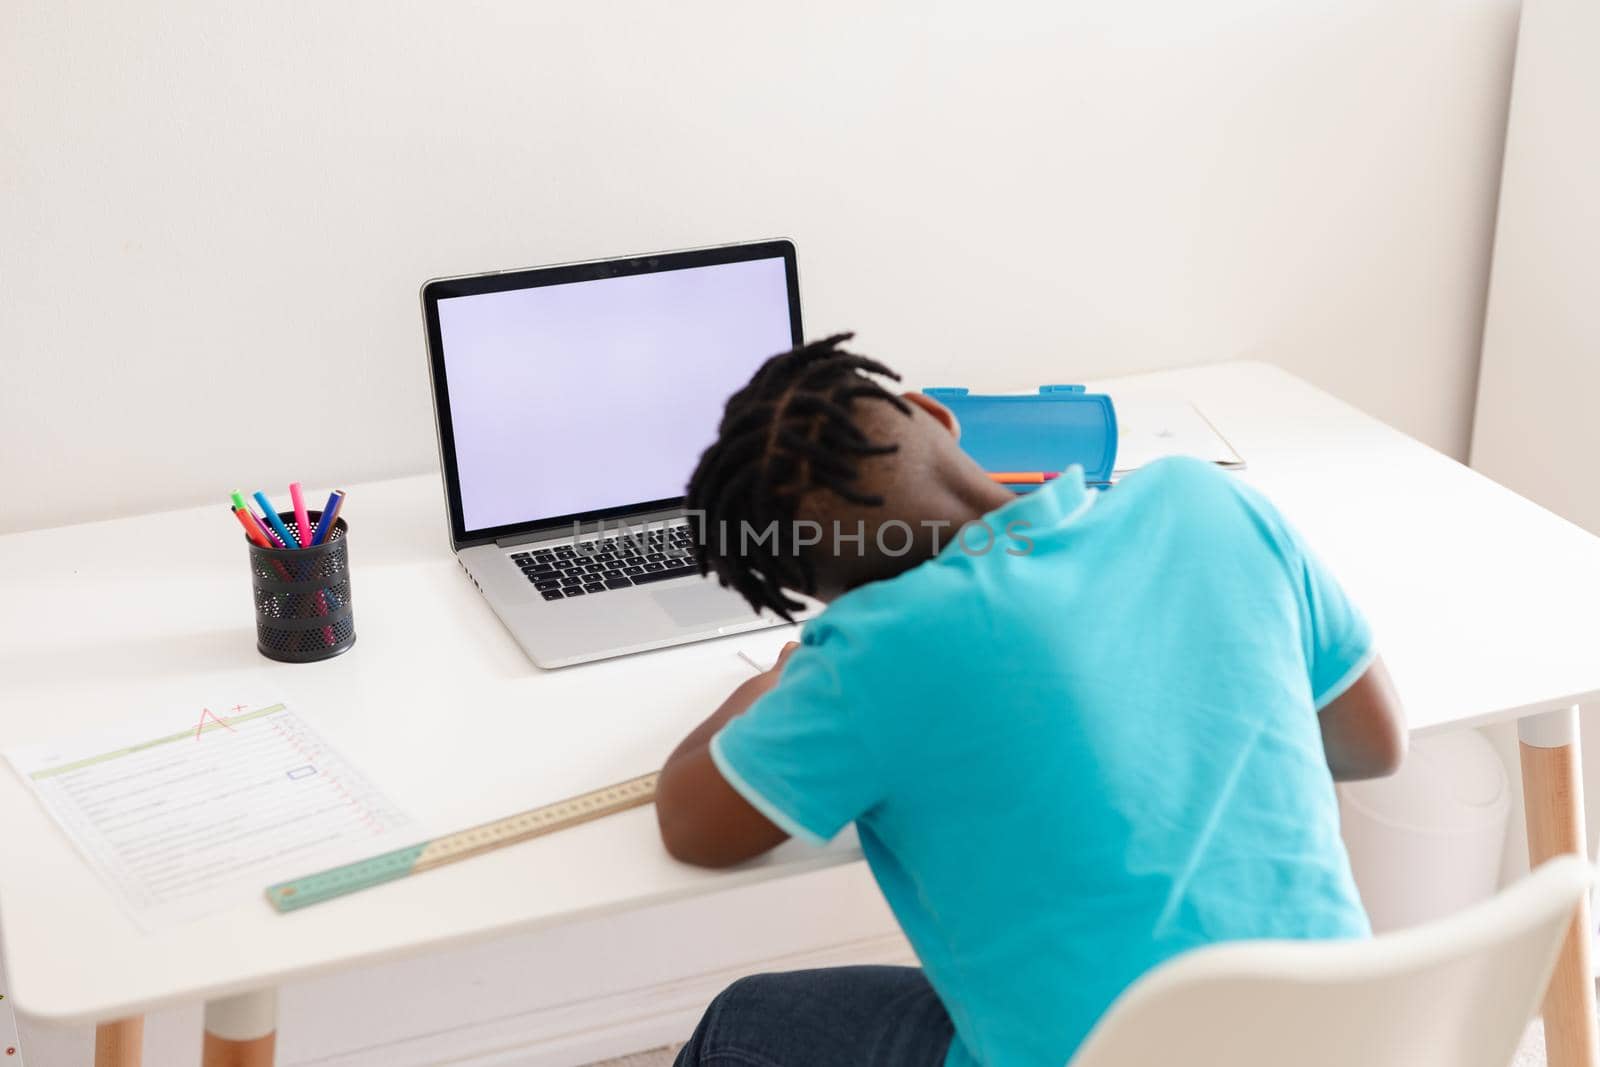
[(239, 504), (259, 536), (277, 542), (252, 528), (330, 515), (302, 523), (1023, 477), (253, 525), (276, 523)]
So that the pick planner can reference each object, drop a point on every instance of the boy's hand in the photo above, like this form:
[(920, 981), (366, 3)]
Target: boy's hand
[(703, 820)]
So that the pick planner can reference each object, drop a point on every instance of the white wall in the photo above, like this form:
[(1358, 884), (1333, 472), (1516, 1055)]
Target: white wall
[(1535, 429), (216, 217), (213, 221)]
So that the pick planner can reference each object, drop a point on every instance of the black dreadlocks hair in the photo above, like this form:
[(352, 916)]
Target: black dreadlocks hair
[(789, 432)]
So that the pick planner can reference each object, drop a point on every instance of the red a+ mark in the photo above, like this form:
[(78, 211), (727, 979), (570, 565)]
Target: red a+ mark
[(206, 713)]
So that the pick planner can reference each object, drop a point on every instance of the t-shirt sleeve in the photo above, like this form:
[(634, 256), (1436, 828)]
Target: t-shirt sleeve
[(1339, 641), (798, 755)]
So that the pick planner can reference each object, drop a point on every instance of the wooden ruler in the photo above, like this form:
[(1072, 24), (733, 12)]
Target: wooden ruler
[(426, 855)]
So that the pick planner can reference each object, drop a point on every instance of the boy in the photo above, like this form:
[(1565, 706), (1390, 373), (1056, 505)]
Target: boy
[(1090, 733)]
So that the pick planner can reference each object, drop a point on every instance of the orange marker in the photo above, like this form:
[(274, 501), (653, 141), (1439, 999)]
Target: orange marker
[(268, 539), (252, 529), (1023, 477)]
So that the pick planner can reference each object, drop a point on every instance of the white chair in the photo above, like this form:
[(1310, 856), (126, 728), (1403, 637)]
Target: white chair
[(1457, 992)]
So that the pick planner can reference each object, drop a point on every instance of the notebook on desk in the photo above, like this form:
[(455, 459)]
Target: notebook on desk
[(1153, 425)]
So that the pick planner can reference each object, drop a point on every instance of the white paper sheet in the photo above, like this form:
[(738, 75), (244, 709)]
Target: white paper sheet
[(199, 810), (1154, 424)]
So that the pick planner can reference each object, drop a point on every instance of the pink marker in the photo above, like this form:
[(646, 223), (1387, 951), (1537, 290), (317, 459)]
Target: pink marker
[(301, 519)]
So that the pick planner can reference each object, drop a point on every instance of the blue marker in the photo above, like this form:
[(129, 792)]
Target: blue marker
[(289, 539), (330, 515)]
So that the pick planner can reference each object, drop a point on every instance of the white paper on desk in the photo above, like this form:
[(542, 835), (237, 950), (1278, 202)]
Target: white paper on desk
[(1151, 425), (199, 810)]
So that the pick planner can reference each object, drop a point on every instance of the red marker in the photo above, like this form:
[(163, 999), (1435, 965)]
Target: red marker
[(252, 528)]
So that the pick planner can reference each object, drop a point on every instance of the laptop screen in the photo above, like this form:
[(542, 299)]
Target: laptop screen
[(601, 392)]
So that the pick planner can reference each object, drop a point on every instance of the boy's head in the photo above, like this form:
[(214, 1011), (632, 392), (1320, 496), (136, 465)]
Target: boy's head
[(822, 480)]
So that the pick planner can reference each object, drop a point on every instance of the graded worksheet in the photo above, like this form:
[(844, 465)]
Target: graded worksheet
[(1152, 425), (198, 811)]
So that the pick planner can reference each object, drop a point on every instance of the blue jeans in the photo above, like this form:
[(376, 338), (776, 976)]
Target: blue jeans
[(832, 1017)]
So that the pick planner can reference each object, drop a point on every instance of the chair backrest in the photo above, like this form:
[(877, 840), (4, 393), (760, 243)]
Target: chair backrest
[(1457, 992)]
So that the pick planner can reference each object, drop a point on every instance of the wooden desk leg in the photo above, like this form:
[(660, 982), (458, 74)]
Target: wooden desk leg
[(119, 1043), (1552, 791), (241, 1031)]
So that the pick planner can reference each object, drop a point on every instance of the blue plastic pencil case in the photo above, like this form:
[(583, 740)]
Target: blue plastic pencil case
[(1060, 426)]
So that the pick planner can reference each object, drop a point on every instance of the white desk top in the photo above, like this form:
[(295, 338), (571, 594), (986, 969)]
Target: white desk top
[(1485, 607)]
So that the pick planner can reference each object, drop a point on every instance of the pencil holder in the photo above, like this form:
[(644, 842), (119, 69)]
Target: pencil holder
[(303, 597)]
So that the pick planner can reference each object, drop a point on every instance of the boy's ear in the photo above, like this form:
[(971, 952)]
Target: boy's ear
[(944, 415)]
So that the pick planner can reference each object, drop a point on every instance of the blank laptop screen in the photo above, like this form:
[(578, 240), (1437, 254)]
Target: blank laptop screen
[(600, 393)]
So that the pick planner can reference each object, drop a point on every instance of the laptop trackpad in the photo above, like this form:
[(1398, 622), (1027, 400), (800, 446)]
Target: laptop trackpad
[(703, 604)]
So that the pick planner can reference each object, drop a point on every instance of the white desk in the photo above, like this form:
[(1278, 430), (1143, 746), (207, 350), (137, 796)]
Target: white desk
[(1483, 603)]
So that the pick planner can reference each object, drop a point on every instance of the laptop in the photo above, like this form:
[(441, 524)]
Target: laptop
[(572, 403)]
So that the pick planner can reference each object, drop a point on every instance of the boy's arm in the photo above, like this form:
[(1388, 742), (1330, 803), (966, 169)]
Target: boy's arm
[(703, 820), (1364, 728)]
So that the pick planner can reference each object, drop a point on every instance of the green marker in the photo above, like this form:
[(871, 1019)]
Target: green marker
[(238, 501)]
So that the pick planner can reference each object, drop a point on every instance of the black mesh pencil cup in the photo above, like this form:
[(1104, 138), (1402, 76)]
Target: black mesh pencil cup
[(303, 597)]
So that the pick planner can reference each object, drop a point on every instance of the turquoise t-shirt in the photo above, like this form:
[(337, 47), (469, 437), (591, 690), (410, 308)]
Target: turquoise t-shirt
[(1069, 764)]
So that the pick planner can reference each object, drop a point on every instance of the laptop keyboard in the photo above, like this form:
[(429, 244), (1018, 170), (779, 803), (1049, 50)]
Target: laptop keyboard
[(601, 564)]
